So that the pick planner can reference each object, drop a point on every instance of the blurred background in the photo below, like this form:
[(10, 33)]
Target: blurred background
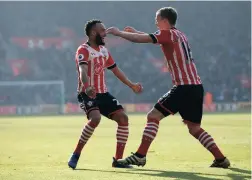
[(38, 41)]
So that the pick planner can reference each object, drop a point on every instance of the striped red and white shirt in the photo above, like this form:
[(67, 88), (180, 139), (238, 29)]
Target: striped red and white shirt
[(97, 60), (178, 54)]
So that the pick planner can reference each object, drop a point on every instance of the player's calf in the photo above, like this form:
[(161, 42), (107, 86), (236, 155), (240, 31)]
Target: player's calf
[(122, 134), (208, 142), (150, 132), (87, 132)]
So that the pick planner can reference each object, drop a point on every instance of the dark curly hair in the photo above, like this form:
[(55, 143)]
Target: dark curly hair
[(90, 24)]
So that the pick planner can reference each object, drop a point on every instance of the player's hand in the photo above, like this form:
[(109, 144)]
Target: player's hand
[(130, 29), (113, 30), (91, 92), (137, 88)]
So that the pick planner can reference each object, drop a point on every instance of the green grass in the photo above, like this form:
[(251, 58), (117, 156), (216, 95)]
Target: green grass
[(37, 148)]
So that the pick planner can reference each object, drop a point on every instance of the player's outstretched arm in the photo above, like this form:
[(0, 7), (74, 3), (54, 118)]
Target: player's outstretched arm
[(132, 30), (136, 87), (133, 37)]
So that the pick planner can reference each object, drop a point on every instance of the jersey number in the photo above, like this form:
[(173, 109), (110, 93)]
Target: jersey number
[(187, 52), (117, 102)]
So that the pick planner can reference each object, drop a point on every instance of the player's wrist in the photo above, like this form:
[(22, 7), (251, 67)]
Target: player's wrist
[(85, 85), (119, 33), (130, 84)]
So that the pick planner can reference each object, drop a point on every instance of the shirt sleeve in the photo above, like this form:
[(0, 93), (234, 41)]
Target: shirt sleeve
[(82, 56), (161, 37), (110, 64)]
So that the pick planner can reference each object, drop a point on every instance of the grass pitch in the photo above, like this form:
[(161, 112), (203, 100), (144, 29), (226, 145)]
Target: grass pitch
[(38, 148)]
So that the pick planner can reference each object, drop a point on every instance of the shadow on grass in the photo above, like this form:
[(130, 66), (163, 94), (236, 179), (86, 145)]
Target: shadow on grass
[(161, 173), (245, 174), (244, 171)]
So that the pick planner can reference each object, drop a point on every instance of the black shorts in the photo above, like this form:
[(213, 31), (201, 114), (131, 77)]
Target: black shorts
[(104, 102), (185, 99)]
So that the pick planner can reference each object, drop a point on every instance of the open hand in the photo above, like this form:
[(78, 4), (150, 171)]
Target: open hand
[(137, 87), (113, 30)]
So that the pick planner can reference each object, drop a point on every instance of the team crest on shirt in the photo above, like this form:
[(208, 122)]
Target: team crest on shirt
[(98, 68), (80, 57)]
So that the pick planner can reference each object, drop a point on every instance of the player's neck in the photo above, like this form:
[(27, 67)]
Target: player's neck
[(172, 27), (93, 44), (168, 28)]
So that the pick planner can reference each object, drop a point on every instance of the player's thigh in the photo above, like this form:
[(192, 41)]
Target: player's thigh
[(169, 103), (109, 105), (90, 106), (192, 108), (120, 117), (155, 114), (95, 116)]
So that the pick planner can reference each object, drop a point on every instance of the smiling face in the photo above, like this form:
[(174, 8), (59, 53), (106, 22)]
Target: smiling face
[(98, 33)]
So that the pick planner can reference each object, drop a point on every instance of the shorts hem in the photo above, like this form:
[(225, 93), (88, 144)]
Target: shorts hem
[(114, 112), (191, 123), (164, 108), (90, 110)]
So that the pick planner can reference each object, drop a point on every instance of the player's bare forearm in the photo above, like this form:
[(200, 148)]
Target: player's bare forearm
[(140, 37), (132, 30), (121, 76), (89, 90), (140, 32), (83, 73)]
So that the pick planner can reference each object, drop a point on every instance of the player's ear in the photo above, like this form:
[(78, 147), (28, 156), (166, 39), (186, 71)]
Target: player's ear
[(93, 33)]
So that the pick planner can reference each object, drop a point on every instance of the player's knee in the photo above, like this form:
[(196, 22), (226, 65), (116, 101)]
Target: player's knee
[(124, 119), (121, 118), (193, 129), (95, 118), (153, 114)]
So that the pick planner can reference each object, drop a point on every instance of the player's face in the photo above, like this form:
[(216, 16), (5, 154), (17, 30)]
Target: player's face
[(160, 22), (100, 33)]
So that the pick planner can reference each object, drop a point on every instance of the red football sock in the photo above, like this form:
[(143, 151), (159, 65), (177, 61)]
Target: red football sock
[(149, 135), (208, 142), (86, 134), (121, 137)]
